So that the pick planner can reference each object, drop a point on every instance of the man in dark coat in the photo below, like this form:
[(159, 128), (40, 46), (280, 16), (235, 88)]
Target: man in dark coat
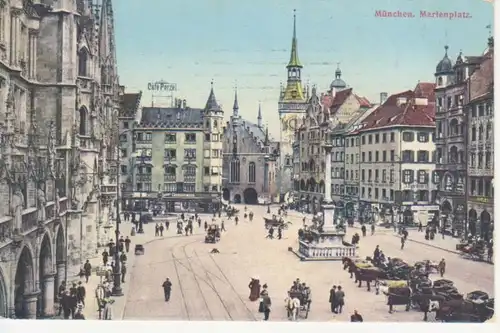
[(339, 297), (123, 272), (356, 317), (61, 292), (167, 289), (105, 256), (80, 293), (127, 244), (87, 269), (332, 299)]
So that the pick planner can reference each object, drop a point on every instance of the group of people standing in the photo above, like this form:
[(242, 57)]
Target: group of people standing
[(256, 292)]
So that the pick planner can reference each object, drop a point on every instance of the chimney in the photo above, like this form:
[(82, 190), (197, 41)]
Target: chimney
[(383, 97)]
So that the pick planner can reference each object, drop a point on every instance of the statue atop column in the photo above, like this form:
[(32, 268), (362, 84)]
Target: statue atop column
[(42, 201)]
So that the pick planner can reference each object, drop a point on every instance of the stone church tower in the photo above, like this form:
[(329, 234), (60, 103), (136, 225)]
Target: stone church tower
[(291, 107)]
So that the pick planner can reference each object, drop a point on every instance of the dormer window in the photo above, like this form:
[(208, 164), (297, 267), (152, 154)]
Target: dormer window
[(82, 62)]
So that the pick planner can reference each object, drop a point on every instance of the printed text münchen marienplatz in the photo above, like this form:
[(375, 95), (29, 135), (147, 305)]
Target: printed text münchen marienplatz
[(451, 15)]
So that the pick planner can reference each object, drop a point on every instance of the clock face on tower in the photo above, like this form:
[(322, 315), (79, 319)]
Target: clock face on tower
[(289, 123)]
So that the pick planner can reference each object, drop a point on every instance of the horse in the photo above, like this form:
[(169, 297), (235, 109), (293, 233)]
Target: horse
[(292, 306)]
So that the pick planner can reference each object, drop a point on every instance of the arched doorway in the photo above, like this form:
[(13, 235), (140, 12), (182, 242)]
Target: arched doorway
[(250, 196), (45, 305), (226, 195), (485, 223), (3, 297), (237, 199), (25, 307), (60, 262), (446, 207)]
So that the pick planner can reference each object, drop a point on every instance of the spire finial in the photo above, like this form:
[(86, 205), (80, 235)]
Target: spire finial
[(489, 29), (295, 23), (235, 105), (446, 50)]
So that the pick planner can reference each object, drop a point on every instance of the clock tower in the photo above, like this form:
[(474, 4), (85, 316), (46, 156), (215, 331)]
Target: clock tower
[(292, 108)]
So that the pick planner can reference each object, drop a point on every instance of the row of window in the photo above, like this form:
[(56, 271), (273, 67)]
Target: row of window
[(406, 195), (175, 188), (481, 187), (171, 187), (451, 102), (479, 134), (172, 137), (407, 136), (481, 160)]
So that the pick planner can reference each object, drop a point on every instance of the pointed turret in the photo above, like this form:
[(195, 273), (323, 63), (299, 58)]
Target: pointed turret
[(294, 55), (235, 104), (293, 92), (259, 117), (212, 104), (104, 47), (266, 139)]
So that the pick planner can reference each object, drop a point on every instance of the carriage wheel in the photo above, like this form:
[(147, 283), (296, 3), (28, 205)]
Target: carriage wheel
[(308, 307)]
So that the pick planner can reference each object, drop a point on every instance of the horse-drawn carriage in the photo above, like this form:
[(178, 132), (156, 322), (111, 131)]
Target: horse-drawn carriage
[(298, 302), (275, 223), (213, 234)]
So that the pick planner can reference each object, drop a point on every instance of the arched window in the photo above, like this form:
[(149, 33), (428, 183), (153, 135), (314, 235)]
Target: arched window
[(251, 172), (83, 121), (82, 62), (473, 133), (480, 135), (235, 171), (488, 131)]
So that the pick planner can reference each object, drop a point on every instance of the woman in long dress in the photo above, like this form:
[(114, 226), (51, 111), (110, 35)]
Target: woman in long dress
[(254, 289)]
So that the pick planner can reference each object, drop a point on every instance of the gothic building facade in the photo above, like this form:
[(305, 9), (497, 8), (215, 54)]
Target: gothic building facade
[(60, 97), (249, 160)]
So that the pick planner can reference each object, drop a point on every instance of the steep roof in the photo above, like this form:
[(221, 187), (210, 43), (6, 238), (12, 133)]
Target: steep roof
[(481, 82), (425, 90), (363, 101), (129, 104), (171, 117), (339, 99), (407, 113)]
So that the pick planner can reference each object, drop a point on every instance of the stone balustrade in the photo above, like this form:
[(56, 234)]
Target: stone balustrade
[(311, 251)]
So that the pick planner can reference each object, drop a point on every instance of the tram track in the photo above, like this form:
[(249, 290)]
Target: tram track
[(196, 279), (230, 284)]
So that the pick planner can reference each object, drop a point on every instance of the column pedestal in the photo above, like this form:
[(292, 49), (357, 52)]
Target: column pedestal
[(29, 305), (48, 295)]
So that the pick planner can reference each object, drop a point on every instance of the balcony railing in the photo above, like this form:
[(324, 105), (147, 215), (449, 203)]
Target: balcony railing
[(144, 177), (29, 219), (321, 252), (169, 178)]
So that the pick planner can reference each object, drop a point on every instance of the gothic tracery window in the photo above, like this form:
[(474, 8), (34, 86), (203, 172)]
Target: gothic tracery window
[(251, 172)]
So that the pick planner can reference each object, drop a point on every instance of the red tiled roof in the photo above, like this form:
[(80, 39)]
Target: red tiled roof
[(425, 90), (326, 101), (339, 99), (363, 101), (408, 114)]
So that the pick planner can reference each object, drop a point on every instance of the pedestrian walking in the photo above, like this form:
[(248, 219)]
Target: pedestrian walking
[(121, 246), (363, 230), (87, 269), (420, 227), (442, 267), (105, 256), (161, 230), (123, 258), (373, 228), (167, 225), (222, 227), (377, 286), (205, 225), (167, 289), (80, 293), (123, 272), (107, 313), (157, 230), (280, 232), (403, 239), (66, 304), (332, 299), (127, 244), (339, 297), (73, 299), (61, 292), (266, 300)]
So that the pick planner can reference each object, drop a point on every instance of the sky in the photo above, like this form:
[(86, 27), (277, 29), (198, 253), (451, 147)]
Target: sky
[(247, 44)]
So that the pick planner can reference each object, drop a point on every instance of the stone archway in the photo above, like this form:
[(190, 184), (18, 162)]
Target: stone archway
[(485, 223), (3, 297), (250, 196), (237, 199), (46, 279), (60, 275), (226, 194), (24, 296)]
